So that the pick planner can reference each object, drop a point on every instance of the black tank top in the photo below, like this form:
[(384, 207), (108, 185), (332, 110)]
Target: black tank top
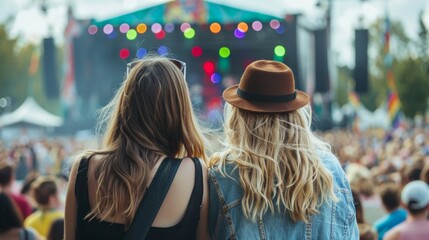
[(103, 230)]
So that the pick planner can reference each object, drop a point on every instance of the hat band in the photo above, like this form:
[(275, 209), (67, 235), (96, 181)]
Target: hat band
[(266, 98)]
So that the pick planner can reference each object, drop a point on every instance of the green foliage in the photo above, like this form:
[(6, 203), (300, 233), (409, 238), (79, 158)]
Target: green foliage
[(410, 72), (412, 86), (343, 85), (15, 80)]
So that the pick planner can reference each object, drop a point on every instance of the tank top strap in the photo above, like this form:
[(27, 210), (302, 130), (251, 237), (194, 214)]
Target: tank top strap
[(198, 186), (81, 187)]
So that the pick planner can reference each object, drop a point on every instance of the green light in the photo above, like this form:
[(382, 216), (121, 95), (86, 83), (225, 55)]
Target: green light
[(131, 34), (189, 33), (224, 52), (279, 51)]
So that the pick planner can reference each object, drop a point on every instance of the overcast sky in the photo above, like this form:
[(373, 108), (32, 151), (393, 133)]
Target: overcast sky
[(30, 24)]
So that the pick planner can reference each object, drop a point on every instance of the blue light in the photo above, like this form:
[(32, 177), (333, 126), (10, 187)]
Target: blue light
[(162, 50), (141, 53), (238, 34), (215, 78), (111, 35)]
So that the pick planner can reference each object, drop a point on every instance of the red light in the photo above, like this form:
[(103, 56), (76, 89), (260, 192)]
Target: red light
[(160, 35), (209, 67), (197, 51), (124, 53)]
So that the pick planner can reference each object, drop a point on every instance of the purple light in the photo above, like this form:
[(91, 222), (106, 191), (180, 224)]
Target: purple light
[(141, 53), (156, 28), (184, 26), (108, 29), (257, 26), (274, 24), (280, 29), (111, 35), (169, 27), (162, 50), (238, 34), (215, 78), (124, 28), (92, 29)]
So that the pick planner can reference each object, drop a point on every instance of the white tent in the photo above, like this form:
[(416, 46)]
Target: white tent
[(30, 112)]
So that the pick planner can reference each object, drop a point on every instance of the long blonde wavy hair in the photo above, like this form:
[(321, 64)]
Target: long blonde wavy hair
[(278, 158), (151, 115)]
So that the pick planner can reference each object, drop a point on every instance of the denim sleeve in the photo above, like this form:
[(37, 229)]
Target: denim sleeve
[(213, 208)]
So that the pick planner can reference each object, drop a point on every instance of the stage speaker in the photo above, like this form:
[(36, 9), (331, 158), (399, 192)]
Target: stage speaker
[(321, 61), (82, 66), (360, 73), (291, 44), (50, 69)]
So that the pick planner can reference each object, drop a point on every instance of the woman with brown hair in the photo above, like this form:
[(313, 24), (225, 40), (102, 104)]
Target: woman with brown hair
[(151, 125), (11, 223), (275, 179)]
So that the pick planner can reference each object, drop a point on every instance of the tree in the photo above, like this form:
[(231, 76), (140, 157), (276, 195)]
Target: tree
[(13, 70)]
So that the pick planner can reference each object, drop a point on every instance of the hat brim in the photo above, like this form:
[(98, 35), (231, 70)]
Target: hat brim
[(230, 96)]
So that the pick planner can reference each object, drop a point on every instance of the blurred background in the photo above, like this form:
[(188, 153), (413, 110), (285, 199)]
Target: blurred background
[(364, 62), (365, 65)]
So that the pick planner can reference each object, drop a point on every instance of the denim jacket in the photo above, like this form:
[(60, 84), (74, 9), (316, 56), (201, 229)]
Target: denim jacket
[(336, 220)]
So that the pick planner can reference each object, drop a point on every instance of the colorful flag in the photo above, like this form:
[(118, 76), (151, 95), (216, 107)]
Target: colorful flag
[(393, 102), (354, 99), (34, 63)]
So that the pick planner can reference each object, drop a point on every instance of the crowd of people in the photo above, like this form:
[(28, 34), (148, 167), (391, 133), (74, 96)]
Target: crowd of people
[(272, 170)]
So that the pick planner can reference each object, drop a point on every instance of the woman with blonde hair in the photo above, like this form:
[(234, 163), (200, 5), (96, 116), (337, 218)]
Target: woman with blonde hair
[(275, 179), (151, 130)]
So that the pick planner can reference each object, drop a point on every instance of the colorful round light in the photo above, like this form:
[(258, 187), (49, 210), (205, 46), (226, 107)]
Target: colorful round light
[(92, 29), (189, 33), (162, 50), (141, 53), (209, 67), (156, 28), (215, 27), (124, 53), (160, 35), (243, 27), (169, 27), (279, 51), (123, 28), (224, 52), (238, 34), (111, 35), (215, 78), (274, 24), (108, 29), (257, 26), (131, 34), (141, 28), (185, 26), (281, 29), (197, 51)]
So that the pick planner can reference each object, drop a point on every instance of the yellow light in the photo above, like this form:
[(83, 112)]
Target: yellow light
[(215, 28), (141, 28), (243, 27)]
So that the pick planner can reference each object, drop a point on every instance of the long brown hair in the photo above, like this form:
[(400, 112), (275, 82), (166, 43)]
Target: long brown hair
[(150, 116)]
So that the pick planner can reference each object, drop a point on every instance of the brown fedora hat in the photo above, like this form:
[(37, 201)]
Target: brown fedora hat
[(266, 86)]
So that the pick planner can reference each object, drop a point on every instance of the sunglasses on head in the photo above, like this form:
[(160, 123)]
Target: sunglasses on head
[(179, 64)]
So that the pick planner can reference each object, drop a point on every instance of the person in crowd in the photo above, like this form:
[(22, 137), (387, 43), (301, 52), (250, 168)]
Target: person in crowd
[(366, 232), (391, 199), (11, 225), (7, 174), (275, 179), (26, 189), (415, 198), (47, 198), (150, 121), (425, 173), (56, 232)]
